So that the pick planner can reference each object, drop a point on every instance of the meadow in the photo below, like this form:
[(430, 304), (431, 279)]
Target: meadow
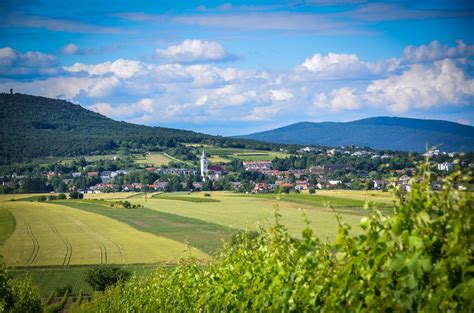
[(225, 155), (152, 159), (55, 242)]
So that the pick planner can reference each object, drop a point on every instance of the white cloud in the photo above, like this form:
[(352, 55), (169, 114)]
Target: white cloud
[(122, 68), (70, 49), (436, 51), (262, 113), (281, 95), (194, 51), (337, 100), (422, 87), (31, 63)]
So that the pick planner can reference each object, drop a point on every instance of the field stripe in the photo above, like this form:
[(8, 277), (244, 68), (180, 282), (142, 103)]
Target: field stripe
[(67, 244), (35, 242)]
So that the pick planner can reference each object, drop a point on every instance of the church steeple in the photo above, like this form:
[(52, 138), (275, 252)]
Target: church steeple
[(204, 164)]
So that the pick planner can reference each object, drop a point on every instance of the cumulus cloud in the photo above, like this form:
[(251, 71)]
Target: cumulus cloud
[(262, 113), (122, 68), (194, 51), (16, 64), (281, 95), (342, 66), (422, 87), (436, 51), (337, 100)]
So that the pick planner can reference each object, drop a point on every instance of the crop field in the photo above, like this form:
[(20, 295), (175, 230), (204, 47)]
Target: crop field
[(152, 159), (49, 234), (369, 195), (182, 198), (244, 212), (111, 196), (225, 155)]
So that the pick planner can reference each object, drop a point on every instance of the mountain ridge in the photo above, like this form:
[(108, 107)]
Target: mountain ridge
[(381, 132)]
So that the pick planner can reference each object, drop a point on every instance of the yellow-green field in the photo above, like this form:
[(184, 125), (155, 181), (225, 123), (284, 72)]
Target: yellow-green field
[(225, 155), (83, 232), (50, 234), (244, 212), (111, 196), (152, 159)]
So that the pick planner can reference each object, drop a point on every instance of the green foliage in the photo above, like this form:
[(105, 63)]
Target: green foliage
[(17, 295), (101, 277), (418, 259), (76, 195), (312, 190), (58, 306)]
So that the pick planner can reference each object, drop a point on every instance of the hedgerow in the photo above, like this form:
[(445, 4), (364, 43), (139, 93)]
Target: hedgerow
[(420, 258)]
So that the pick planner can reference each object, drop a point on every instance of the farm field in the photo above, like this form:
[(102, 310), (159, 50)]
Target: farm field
[(225, 155), (243, 212), (370, 195), (48, 234), (152, 159)]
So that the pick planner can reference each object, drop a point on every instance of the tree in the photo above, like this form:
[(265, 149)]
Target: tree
[(76, 195), (101, 277)]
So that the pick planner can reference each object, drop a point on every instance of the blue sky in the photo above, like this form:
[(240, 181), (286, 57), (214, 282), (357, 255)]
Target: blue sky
[(237, 67)]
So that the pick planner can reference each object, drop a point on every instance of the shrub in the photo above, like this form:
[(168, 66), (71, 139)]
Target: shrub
[(207, 194), (17, 295), (418, 259), (58, 306), (75, 195), (312, 190), (61, 196), (42, 198), (101, 277)]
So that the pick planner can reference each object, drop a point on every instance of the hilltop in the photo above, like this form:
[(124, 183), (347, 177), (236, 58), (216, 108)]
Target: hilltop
[(388, 133), (32, 127)]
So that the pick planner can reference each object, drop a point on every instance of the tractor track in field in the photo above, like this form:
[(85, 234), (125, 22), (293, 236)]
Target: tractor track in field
[(67, 243), (103, 253), (36, 245)]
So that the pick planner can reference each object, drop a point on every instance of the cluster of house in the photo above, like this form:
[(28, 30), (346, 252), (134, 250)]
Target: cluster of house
[(334, 151)]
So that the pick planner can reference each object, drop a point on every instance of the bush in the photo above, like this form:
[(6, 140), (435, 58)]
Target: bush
[(418, 259), (61, 196), (17, 295), (101, 277), (42, 199), (58, 306), (207, 194), (75, 195), (312, 190)]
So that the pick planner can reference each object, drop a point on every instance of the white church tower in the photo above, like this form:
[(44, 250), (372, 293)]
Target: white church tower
[(204, 164)]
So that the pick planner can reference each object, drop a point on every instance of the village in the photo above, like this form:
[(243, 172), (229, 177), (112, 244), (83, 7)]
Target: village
[(338, 168)]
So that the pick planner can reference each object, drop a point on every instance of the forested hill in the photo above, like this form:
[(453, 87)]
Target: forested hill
[(32, 126), (393, 133)]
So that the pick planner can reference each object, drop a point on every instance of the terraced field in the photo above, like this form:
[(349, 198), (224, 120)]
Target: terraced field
[(48, 234)]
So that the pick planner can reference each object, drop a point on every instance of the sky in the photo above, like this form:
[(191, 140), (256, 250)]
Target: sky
[(231, 68)]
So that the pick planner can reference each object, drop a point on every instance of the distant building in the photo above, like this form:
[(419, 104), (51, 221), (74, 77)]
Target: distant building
[(446, 166), (258, 165), (204, 165)]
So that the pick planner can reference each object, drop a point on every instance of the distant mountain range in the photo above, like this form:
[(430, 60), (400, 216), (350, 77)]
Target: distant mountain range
[(385, 133)]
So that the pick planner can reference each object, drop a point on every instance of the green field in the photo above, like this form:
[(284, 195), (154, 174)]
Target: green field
[(48, 234), (152, 159), (225, 155), (54, 242), (52, 278), (244, 211)]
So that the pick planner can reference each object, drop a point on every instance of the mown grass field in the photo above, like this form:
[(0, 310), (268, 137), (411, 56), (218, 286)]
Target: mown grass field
[(244, 212), (50, 234), (225, 155), (152, 159)]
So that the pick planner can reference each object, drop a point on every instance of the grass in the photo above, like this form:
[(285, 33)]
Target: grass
[(225, 155), (152, 159), (199, 234), (7, 227), (52, 234), (49, 279), (111, 195), (243, 212), (184, 198)]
